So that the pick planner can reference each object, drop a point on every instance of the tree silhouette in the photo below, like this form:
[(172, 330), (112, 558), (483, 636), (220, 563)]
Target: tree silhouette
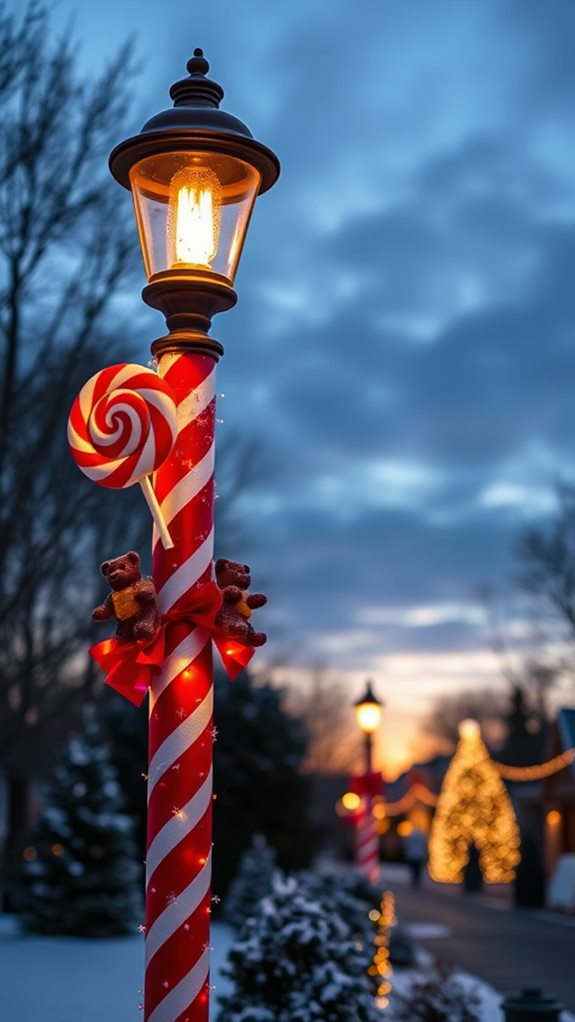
[(64, 254)]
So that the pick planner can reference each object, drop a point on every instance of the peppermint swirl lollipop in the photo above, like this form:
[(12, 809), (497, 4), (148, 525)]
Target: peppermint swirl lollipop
[(121, 428)]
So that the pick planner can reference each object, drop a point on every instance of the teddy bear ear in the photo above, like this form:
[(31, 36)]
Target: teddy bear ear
[(247, 569), (104, 568), (133, 557)]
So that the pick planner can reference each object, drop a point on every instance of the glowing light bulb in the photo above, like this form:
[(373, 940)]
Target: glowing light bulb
[(194, 216), (350, 801), (368, 715)]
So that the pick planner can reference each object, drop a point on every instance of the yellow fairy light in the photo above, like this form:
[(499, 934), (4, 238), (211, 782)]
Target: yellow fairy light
[(473, 809), (380, 967), (417, 793), (350, 801)]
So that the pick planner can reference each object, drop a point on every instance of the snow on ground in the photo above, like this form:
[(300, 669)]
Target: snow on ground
[(64, 979)]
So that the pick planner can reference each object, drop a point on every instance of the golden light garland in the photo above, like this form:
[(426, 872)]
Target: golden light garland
[(417, 793), (380, 969), (473, 809), (539, 771)]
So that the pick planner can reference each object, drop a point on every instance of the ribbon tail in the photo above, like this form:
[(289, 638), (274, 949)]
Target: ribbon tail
[(235, 655), (132, 685), (129, 668)]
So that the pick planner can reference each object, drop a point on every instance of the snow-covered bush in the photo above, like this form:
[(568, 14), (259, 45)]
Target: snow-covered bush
[(436, 996), (252, 882), (81, 876), (349, 894), (297, 961)]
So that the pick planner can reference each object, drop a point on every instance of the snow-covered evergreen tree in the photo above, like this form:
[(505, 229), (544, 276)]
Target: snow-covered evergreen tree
[(252, 882), (260, 786), (81, 876), (349, 894), (297, 961)]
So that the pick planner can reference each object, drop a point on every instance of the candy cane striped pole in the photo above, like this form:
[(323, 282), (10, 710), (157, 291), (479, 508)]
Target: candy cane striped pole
[(367, 843), (178, 864)]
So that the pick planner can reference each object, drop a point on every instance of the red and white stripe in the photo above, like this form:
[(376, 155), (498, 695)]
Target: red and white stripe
[(367, 841), (178, 865), (122, 425)]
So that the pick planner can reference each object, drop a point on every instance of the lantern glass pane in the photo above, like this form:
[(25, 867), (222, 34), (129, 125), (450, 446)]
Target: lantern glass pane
[(368, 716), (193, 210)]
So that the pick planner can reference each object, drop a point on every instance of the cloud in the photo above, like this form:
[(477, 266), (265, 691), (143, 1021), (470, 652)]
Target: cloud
[(403, 343)]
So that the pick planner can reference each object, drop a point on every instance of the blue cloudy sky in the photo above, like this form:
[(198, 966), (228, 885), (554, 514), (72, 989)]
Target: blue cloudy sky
[(404, 344)]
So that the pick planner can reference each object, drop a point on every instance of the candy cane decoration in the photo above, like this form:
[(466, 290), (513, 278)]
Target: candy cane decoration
[(178, 866), (122, 427), (367, 844)]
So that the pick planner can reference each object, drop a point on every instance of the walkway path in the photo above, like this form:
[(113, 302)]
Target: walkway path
[(505, 947)]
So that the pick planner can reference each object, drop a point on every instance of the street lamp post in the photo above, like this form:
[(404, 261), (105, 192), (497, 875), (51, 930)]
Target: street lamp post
[(194, 172), (368, 711)]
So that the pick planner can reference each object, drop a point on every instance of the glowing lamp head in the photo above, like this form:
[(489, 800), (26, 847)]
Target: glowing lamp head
[(368, 711), (193, 210), (194, 171)]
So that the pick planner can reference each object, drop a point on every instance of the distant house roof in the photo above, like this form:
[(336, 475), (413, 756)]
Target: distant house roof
[(566, 724)]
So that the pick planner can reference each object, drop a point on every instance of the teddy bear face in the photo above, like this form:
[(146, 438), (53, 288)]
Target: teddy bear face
[(230, 573), (122, 571)]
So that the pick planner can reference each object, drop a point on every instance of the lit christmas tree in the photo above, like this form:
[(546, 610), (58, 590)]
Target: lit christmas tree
[(474, 809)]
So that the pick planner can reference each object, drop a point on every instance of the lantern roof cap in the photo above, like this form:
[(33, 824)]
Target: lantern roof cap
[(368, 696), (195, 122)]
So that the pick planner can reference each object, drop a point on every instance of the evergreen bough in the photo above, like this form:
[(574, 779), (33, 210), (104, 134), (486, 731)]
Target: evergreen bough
[(252, 883), (83, 879)]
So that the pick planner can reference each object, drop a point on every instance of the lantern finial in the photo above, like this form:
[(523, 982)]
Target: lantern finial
[(198, 65), (197, 90)]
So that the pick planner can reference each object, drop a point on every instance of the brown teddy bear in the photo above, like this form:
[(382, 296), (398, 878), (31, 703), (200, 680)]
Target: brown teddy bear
[(233, 618), (132, 601)]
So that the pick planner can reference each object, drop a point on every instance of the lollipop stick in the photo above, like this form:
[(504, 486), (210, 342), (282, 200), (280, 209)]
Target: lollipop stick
[(151, 499)]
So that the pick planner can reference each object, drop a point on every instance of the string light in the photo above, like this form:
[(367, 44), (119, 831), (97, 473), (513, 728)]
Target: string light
[(380, 969), (473, 809), (417, 793), (539, 771)]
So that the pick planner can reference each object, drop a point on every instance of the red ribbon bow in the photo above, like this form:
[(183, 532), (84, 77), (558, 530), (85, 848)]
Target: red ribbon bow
[(130, 666)]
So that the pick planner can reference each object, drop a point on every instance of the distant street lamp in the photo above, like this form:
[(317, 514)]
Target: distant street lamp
[(368, 711), (194, 172)]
